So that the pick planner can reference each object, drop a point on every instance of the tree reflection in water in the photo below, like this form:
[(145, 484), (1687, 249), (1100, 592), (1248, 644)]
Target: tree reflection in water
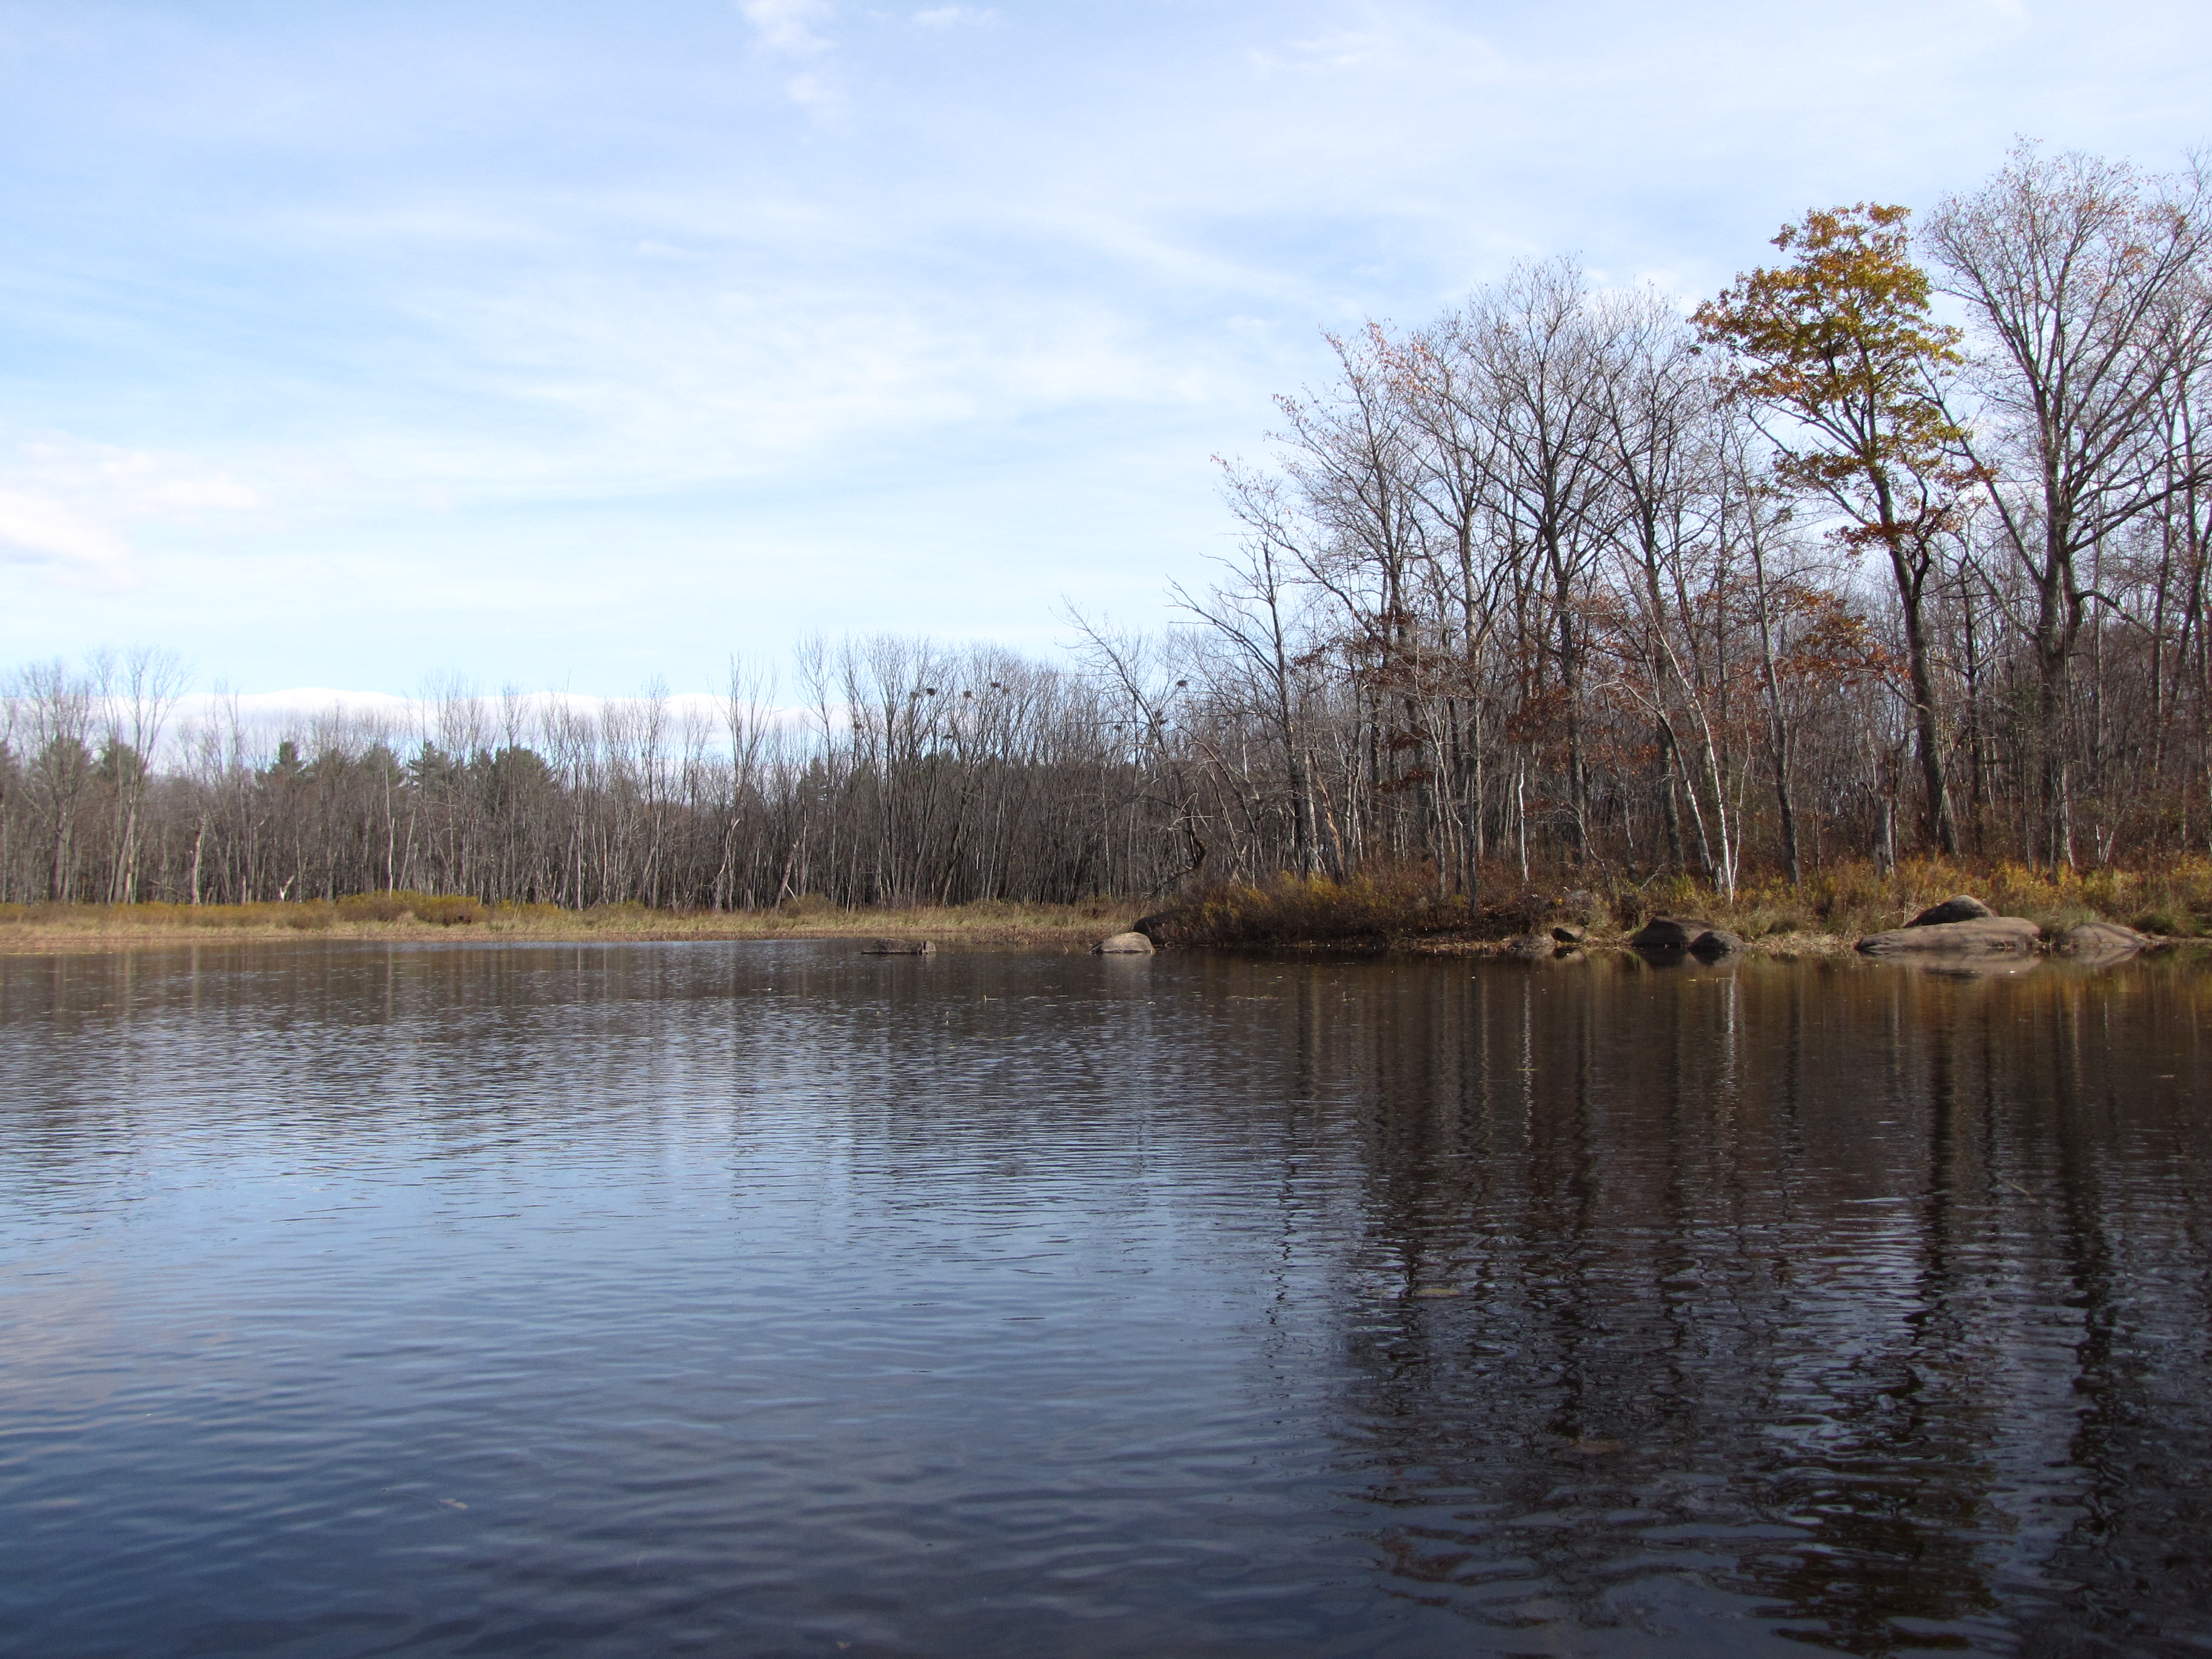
[(1002, 1304), (1877, 1296)]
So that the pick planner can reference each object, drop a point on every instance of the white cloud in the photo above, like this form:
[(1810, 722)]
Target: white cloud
[(65, 504), (41, 532), (788, 25), (948, 17), (462, 718), (769, 296), (792, 28), (1405, 51)]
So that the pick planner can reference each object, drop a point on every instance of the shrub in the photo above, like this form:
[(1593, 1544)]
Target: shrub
[(448, 910), (377, 906), (1368, 909)]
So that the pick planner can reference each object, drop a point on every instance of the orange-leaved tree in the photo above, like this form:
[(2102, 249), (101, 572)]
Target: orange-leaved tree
[(1837, 354)]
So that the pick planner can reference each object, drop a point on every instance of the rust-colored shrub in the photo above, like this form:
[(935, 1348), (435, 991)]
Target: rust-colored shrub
[(449, 910), (1365, 910)]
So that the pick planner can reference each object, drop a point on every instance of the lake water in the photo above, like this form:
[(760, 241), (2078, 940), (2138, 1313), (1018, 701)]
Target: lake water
[(769, 1299)]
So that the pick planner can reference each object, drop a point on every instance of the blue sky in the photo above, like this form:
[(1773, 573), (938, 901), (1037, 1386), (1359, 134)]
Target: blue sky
[(573, 345)]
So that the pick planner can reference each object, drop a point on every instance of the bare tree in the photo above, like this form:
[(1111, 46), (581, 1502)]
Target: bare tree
[(2087, 286)]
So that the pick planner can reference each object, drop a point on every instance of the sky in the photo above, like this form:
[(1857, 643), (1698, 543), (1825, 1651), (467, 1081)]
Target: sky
[(575, 347)]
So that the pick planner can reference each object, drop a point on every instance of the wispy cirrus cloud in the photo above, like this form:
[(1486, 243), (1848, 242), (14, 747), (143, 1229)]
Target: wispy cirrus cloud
[(831, 315), (68, 506)]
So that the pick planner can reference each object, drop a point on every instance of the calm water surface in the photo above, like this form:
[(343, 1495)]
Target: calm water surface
[(767, 1299)]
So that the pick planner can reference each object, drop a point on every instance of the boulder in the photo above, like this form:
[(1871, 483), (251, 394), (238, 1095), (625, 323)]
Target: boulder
[(1665, 934), (1569, 932), (900, 947), (1669, 933), (1123, 944), (1531, 947), (1990, 936), (2099, 941), (1963, 907)]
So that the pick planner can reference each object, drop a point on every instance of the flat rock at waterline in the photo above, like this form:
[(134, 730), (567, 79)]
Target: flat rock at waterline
[(1961, 907), (1531, 947), (2099, 941), (900, 947), (1123, 944), (1699, 939), (1990, 936)]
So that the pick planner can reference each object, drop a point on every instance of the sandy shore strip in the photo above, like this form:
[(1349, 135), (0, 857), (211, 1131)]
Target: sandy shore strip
[(50, 930)]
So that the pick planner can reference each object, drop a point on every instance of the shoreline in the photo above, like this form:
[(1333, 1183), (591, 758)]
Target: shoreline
[(1067, 931), (48, 930), (1058, 938)]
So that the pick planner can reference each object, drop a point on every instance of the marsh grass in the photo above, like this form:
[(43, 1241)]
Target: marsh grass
[(49, 927), (1385, 908), (1398, 907), (2172, 899)]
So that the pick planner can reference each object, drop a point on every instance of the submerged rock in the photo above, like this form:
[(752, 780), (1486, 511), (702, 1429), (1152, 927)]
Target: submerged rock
[(900, 947), (1961, 907), (1666, 934), (2099, 941), (1988, 936), (1123, 944)]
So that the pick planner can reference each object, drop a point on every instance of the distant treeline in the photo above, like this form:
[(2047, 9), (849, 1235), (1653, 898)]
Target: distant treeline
[(1561, 580), (918, 775)]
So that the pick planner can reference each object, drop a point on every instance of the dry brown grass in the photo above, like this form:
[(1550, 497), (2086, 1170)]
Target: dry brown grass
[(2172, 899), (1396, 908), (44, 928), (1371, 910), (1390, 909)]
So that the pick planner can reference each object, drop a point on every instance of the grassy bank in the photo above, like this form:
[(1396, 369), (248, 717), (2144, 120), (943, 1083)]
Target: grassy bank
[(1399, 909), (38, 928), (1395, 908)]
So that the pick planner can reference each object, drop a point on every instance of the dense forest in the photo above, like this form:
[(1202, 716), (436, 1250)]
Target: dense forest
[(1898, 545)]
